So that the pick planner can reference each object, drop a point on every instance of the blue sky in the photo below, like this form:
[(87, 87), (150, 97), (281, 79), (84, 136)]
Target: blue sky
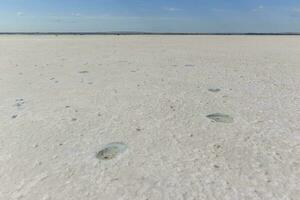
[(150, 15)]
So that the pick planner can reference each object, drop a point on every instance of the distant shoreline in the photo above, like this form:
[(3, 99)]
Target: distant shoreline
[(136, 33)]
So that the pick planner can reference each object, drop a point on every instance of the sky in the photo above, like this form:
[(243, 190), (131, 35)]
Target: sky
[(150, 15)]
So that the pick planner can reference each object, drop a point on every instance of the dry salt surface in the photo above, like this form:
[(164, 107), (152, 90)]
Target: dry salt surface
[(149, 118)]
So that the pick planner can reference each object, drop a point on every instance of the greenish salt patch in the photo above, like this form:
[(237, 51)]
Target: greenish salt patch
[(221, 118), (111, 151), (83, 72)]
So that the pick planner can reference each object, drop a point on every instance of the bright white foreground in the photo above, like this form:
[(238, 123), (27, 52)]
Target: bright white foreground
[(64, 98)]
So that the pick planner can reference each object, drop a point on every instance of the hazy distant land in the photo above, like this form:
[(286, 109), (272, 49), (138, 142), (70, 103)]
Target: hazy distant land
[(139, 33)]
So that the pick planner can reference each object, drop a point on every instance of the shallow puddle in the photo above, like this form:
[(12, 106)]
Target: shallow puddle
[(83, 72), (189, 65), (221, 118), (214, 90), (111, 151)]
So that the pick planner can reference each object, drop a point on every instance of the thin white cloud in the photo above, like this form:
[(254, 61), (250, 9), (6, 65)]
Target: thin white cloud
[(294, 12), (296, 9), (76, 14), (259, 8), (218, 10), (172, 9), (20, 13)]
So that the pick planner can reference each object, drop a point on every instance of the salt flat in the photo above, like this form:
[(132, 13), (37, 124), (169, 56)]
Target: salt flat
[(149, 117)]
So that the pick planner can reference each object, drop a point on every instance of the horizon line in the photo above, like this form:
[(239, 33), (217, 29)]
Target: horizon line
[(147, 33)]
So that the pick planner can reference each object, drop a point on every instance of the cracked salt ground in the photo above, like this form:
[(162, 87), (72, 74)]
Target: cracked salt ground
[(221, 118), (111, 151), (171, 155)]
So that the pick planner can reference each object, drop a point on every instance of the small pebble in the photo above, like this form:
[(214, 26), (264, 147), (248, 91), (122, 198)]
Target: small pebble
[(216, 166)]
